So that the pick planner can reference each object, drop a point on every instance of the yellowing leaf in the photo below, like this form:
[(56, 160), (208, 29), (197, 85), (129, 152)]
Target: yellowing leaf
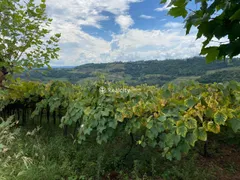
[(220, 118), (213, 127), (182, 131)]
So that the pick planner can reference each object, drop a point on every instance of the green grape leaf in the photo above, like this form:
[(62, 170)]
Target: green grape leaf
[(191, 123), (190, 102), (169, 141), (150, 135), (113, 123), (162, 118), (235, 124), (160, 127), (184, 147), (119, 117), (220, 118), (201, 134), (176, 139), (1, 147), (166, 94), (176, 153), (100, 128), (87, 131), (191, 138), (87, 111), (169, 156), (182, 131), (149, 124), (105, 113), (168, 124)]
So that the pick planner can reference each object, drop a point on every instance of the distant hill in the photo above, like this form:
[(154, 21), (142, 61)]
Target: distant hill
[(63, 67), (151, 72)]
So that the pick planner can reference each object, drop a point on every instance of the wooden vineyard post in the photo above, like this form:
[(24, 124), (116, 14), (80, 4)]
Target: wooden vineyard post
[(65, 130), (59, 115), (23, 116), (18, 114)]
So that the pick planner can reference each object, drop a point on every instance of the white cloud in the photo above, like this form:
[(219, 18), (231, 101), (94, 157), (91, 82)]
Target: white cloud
[(93, 21), (173, 25), (154, 44), (146, 17), (79, 47), (124, 21), (89, 12), (132, 45), (166, 6)]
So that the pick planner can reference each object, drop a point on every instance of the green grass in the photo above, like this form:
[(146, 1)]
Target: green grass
[(185, 78), (46, 154), (222, 69), (116, 66)]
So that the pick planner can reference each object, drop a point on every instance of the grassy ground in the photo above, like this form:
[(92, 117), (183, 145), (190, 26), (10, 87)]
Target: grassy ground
[(45, 154)]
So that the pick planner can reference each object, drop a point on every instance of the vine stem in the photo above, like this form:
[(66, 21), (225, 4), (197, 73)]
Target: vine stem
[(128, 152), (206, 154)]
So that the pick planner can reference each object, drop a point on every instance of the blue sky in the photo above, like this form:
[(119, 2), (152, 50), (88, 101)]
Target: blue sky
[(99, 31)]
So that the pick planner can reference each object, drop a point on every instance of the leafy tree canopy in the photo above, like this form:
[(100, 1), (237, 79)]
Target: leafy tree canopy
[(214, 19), (25, 38)]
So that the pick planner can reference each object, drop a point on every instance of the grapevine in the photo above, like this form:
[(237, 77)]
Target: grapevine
[(172, 118)]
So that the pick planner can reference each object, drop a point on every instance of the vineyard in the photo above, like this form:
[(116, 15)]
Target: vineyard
[(122, 120), (171, 118)]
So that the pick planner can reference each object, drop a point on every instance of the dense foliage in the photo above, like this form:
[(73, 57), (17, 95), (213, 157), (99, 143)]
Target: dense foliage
[(171, 118), (25, 39), (221, 76), (217, 19)]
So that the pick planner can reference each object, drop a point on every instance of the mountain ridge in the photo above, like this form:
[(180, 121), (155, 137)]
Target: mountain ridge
[(152, 72)]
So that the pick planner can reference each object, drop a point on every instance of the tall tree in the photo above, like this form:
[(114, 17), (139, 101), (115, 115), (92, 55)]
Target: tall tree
[(25, 39), (218, 19)]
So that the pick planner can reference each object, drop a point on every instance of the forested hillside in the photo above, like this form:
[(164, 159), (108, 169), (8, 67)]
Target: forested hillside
[(152, 72)]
